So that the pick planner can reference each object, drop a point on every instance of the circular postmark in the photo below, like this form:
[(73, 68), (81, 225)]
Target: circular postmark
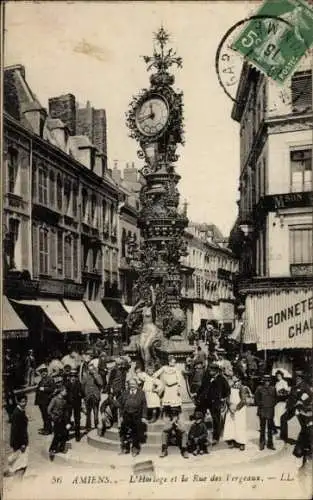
[(229, 62)]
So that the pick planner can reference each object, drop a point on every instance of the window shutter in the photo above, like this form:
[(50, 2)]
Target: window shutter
[(75, 258), (24, 165), (24, 243), (301, 91), (35, 249), (53, 253)]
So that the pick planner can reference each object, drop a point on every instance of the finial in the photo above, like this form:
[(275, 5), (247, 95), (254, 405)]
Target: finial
[(161, 60)]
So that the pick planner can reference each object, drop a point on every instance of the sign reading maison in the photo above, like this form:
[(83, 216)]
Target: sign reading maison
[(274, 202)]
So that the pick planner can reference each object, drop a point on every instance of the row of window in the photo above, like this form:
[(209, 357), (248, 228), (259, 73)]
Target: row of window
[(300, 100), (254, 185), (57, 254)]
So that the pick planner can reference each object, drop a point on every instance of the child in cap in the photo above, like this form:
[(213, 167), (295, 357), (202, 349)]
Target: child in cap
[(198, 435)]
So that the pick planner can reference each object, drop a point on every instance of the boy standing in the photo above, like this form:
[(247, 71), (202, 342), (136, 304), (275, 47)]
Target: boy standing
[(265, 400)]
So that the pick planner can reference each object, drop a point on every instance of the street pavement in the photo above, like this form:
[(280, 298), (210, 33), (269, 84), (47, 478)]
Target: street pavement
[(81, 458)]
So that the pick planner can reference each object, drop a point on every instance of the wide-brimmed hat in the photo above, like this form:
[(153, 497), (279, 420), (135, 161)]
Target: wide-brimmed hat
[(42, 368), (73, 371)]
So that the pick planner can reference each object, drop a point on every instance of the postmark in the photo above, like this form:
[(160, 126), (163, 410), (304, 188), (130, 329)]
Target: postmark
[(277, 37), (229, 63)]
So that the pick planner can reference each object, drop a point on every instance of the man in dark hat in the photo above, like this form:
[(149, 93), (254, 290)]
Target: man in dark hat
[(74, 399), (298, 387), (44, 394), (133, 407), (212, 396), (198, 435), (265, 400)]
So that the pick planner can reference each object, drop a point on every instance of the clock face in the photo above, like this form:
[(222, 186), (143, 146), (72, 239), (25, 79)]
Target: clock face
[(152, 116)]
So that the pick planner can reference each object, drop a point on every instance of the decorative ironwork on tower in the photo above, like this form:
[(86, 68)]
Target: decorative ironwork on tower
[(155, 120)]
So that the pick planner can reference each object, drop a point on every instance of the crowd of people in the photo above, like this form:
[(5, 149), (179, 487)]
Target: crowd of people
[(116, 391)]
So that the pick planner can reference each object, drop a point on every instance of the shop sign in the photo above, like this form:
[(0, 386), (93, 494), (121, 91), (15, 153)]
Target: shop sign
[(281, 320), (271, 203)]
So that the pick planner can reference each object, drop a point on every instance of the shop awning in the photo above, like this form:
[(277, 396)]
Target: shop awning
[(12, 325), (81, 316), (56, 313), (101, 314), (281, 319), (200, 312)]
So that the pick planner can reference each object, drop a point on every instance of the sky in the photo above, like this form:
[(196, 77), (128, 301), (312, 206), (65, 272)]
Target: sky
[(93, 50)]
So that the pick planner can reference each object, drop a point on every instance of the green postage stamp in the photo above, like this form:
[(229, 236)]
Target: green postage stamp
[(276, 41)]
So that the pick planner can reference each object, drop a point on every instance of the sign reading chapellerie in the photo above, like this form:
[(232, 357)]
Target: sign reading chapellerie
[(281, 320)]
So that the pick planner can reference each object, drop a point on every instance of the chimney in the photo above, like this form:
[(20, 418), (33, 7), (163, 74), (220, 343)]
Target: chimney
[(64, 108), (130, 173)]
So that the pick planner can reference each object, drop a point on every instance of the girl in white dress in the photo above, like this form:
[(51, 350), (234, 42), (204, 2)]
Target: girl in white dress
[(235, 429), (152, 388), (171, 379), (282, 391)]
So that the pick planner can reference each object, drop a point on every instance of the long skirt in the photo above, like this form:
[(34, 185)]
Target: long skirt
[(236, 426)]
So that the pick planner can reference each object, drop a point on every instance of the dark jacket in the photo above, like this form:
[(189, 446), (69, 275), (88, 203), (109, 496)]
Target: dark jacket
[(133, 404), (117, 381), (265, 400), (197, 431), (74, 392), (294, 394), (45, 390), (58, 409), (19, 425), (91, 386), (213, 390)]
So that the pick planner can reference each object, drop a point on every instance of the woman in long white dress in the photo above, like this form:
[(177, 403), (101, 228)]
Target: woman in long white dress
[(171, 379), (282, 390), (235, 428)]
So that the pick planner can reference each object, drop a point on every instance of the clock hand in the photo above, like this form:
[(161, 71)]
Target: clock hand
[(146, 117)]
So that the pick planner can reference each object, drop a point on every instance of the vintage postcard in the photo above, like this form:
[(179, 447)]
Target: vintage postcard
[(157, 250)]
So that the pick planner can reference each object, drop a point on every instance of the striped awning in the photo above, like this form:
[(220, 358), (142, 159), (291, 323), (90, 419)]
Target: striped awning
[(81, 316), (12, 325), (56, 313), (280, 319), (102, 316)]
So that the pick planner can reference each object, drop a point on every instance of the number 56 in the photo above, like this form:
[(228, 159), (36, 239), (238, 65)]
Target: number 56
[(250, 39)]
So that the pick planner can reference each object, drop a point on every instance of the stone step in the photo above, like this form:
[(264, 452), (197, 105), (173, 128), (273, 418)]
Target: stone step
[(152, 432), (105, 443)]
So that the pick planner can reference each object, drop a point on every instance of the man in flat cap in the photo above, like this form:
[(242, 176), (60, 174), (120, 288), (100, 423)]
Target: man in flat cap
[(265, 400), (44, 393), (74, 399)]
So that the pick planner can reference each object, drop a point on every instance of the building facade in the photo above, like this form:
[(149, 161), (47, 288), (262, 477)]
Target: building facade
[(60, 208), (207, 288), (273, 233)]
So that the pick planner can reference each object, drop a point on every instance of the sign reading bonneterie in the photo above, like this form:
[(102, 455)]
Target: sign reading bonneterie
[(281, 320)]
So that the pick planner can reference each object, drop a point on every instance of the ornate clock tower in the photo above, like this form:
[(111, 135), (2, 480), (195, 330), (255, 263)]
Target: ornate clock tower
[(155, 120)]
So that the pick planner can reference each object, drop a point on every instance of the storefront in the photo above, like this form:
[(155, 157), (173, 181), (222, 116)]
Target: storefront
[(281, 323)]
